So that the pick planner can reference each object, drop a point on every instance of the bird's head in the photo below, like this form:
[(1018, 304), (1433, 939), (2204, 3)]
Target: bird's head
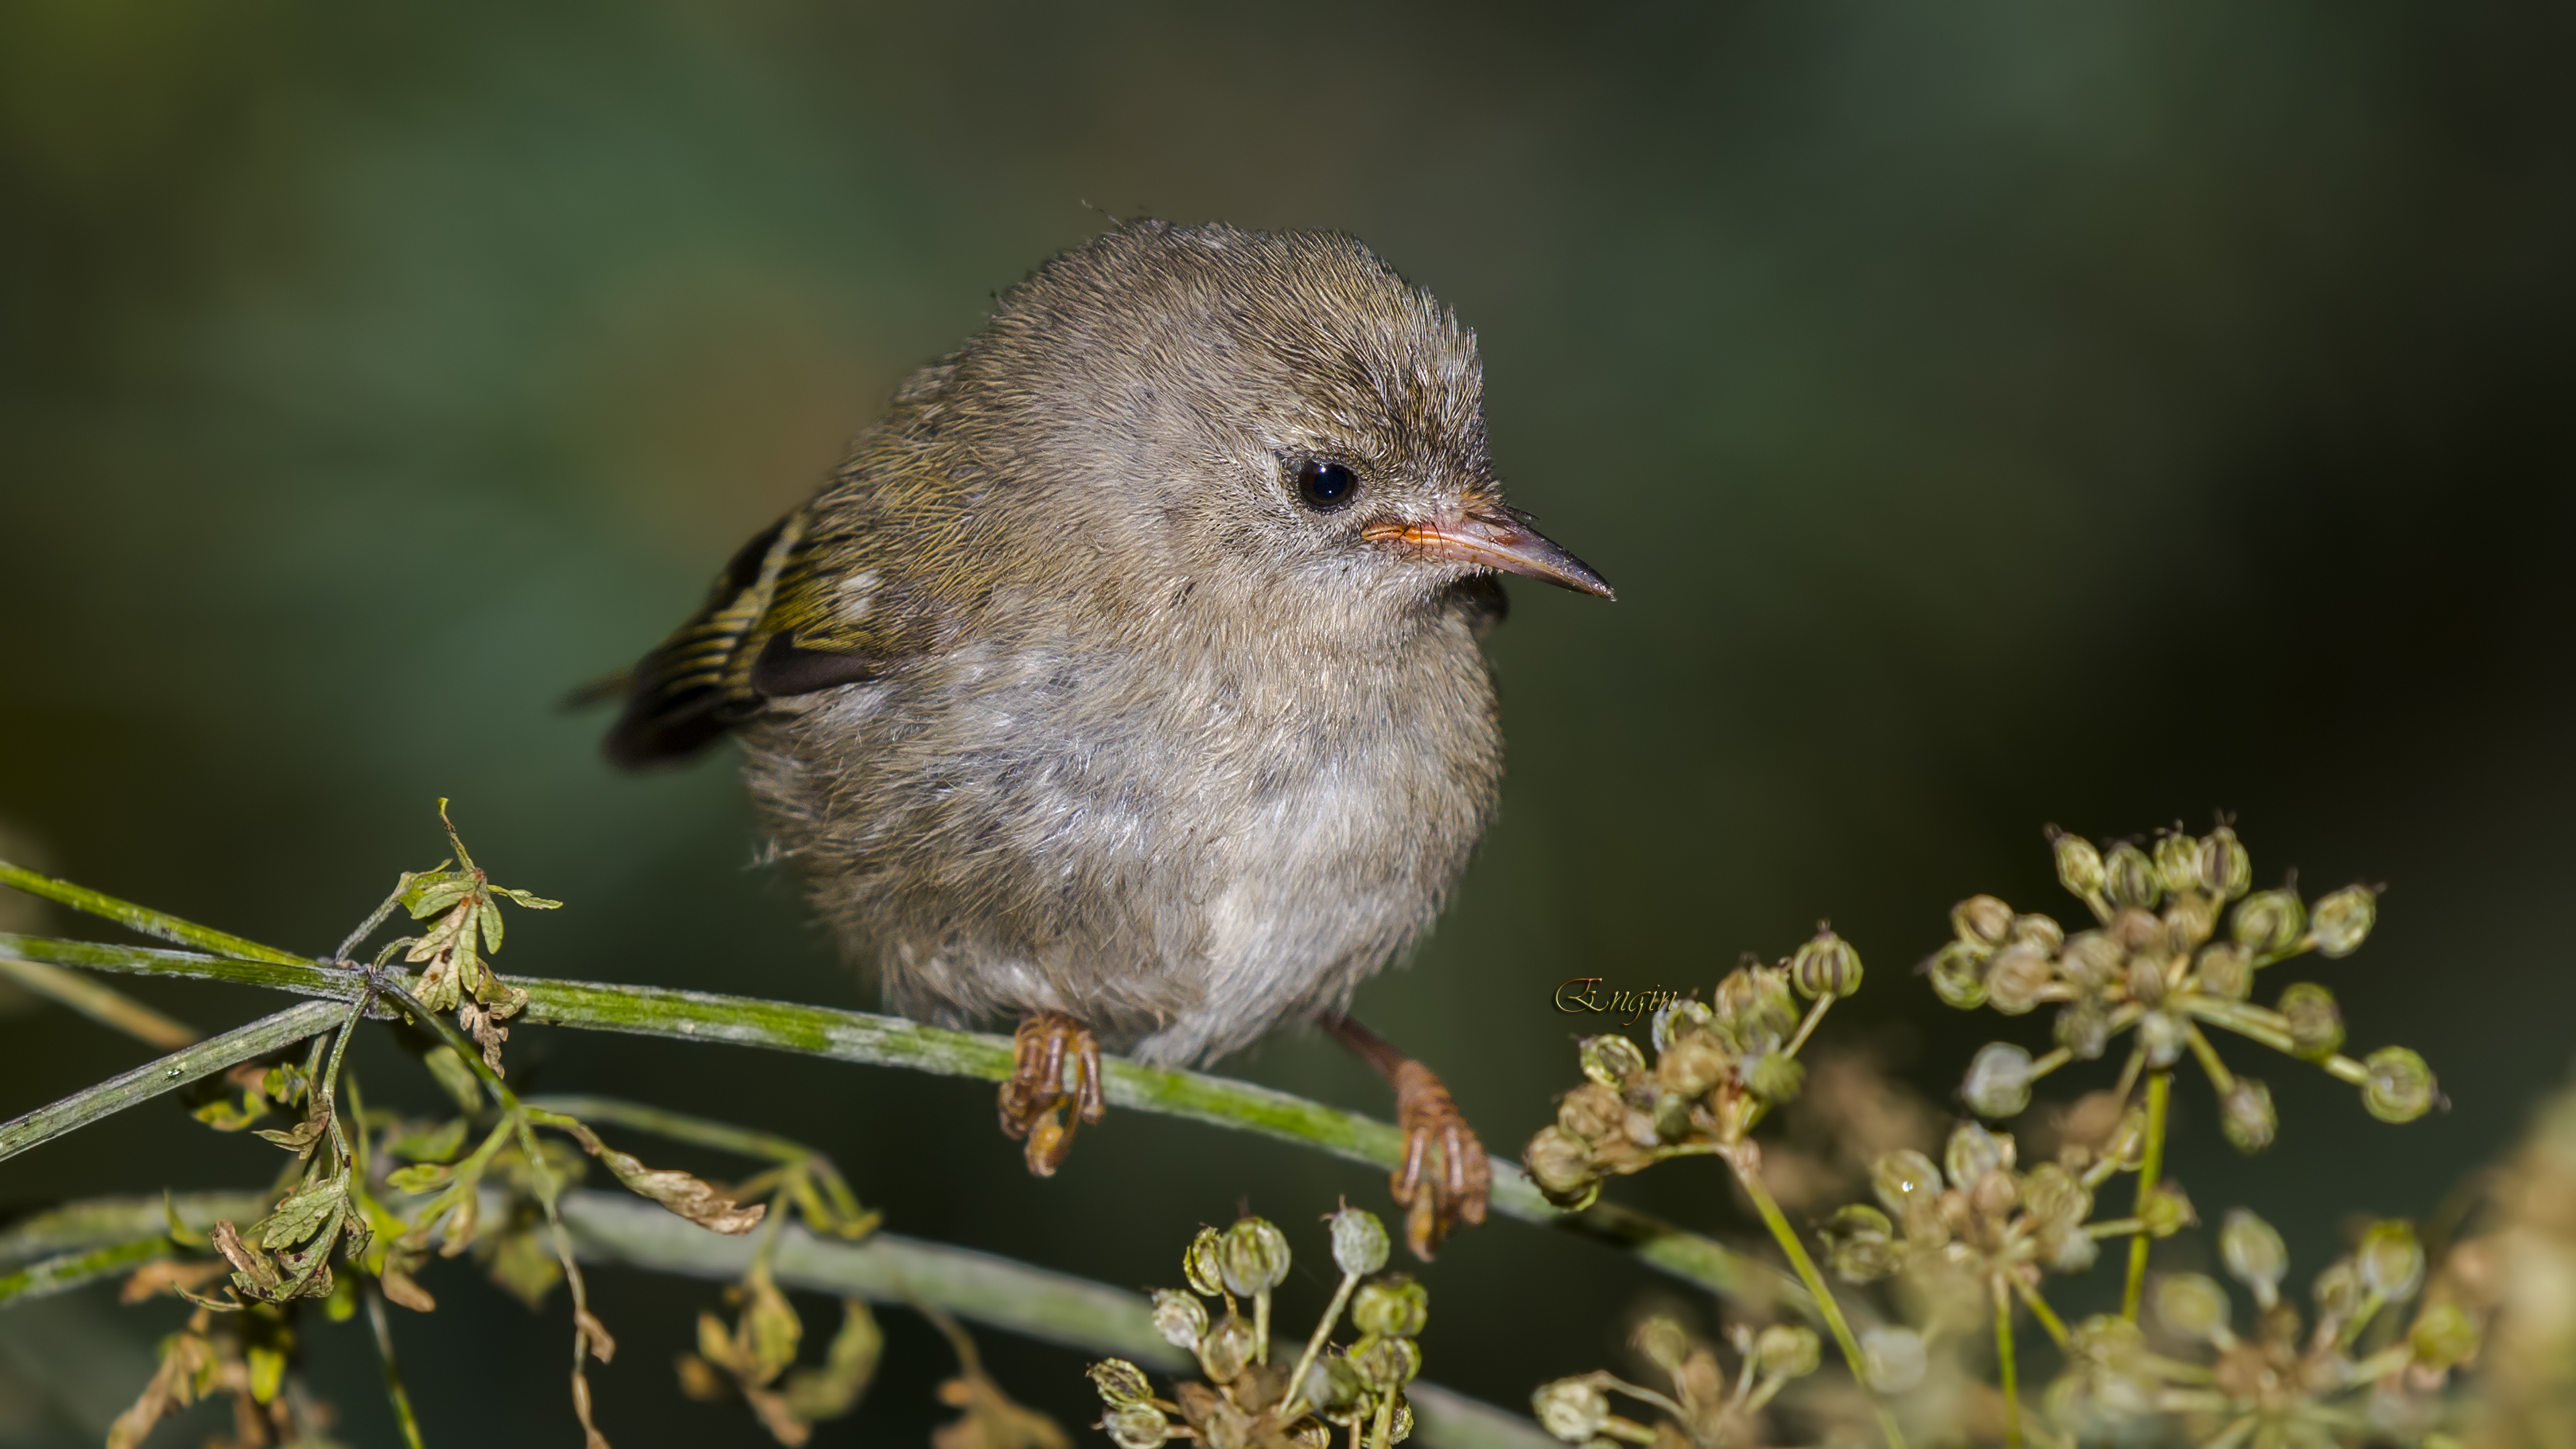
[(1267, 417)]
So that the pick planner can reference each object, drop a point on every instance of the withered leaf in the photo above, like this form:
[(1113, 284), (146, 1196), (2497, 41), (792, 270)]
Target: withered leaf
[(687, 1194), (169, 1275), (594, 1335), (419, 1177), (252, 1268), (401, 1288), (298, 1138), (848, 1365)]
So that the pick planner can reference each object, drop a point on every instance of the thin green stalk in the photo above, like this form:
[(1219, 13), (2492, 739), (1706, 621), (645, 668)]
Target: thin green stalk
[(1826, 1305), (2007, 1371), (2151, 1166), (142, 919), (103, 1004), (2046, 1315), (71, 1270), (394, 1391), (614, 1229), (862, 1037), (676, 1126), (189, 1064), (1315, 1345)]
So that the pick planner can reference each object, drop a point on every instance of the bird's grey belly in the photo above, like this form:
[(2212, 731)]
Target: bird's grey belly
[(1181, 868)]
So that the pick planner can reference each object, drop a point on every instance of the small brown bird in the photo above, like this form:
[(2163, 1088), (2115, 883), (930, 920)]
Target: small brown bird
[(1126, 677)]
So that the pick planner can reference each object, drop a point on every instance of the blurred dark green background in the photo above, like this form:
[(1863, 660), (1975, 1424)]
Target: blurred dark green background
[(2100, 414)]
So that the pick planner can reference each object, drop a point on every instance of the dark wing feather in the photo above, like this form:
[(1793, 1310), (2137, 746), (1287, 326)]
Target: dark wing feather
[(741, 648)]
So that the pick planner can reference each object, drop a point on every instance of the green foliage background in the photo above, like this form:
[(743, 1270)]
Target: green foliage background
[(1990, 415)]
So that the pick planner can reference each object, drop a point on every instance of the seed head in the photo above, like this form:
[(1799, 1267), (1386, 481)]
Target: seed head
[(2269, 923), (1904, 1176), (1393, 1306), (1386, 1364), (1826, 966), (2226, 969), (2245, 1114), (1571, 1409), (1860, 1243), (2399, 1087), (2255, 1254), (2443, 1335), (1612, 1059), (1227, 1348), (2342, 921), (1120, 1382), (1958, 973), (1561, 1164), (2226, 871), (1788, 1351), (2193, 1306), (2166, 1211), (1693, 1064), (1137, 1426), (1359, 1241), (2390, 1260), (2129, 878), (1253, 1258), (1982, 921), (1180, 1318), (1998, 1082), (2084, 1028), (2178, 863), (2079, 865), (1973, 1152), (2316, 1024)]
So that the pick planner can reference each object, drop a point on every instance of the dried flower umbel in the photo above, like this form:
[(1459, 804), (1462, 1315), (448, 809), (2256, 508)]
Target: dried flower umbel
[(2358, 1373), (1705, 1410), (1250, 1401), (2179, 940), (378, 1193), (1720, 1067)]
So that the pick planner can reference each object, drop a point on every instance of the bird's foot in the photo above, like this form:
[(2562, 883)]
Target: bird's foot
[(1444, 1178), (1035, 1099)]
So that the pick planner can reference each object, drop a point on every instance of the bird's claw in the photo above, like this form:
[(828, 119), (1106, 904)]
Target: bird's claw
[(1034, 1100), (1444, 1178)]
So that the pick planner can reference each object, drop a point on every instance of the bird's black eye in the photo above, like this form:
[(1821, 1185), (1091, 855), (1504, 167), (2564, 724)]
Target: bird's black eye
[(1325, 486)]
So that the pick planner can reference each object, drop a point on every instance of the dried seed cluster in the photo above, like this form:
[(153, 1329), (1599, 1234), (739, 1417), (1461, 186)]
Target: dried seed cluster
[(2158, 963), (1719, 1065), (1249, 1400)]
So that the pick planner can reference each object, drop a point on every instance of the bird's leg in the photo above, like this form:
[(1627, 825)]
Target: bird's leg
[(1034, 1099), (1444, 1178)]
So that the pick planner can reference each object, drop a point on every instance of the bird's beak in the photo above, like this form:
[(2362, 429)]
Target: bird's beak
[(1498, 539)]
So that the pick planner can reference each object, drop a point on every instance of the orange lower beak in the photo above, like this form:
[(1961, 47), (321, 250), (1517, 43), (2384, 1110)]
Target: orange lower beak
[(1507, 543)]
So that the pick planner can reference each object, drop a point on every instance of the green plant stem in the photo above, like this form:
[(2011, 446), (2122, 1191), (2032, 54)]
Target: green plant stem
[(2046, 1315), (854, 1036), (49, 1276), (615, 1229), (2151, 1166), (2007, 1371), (142, 919), (395, 1393), (1295, 1404), (1778, 1222), (188, 1064), (103, 1004), (675, 1126)]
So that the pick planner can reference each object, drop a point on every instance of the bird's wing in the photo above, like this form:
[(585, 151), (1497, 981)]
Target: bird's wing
[(777, 623)]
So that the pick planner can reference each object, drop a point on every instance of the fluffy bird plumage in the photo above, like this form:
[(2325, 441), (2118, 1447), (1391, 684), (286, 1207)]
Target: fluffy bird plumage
[(1061, 697)]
